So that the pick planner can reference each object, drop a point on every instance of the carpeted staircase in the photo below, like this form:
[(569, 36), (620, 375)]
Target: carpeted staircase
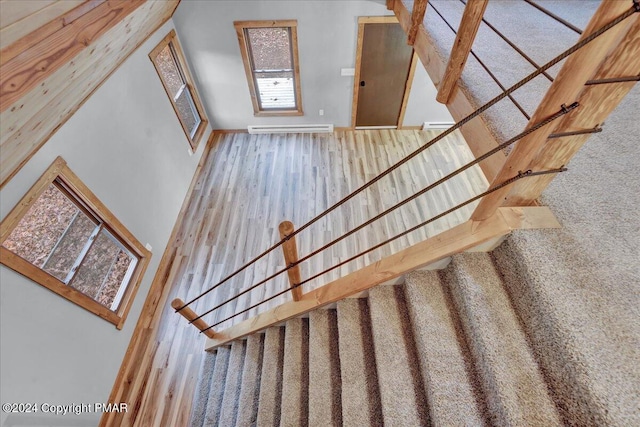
[(445, 348), (543, 331)]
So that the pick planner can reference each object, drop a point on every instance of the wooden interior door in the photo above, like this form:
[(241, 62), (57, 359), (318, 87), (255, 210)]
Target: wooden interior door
[(385, 60)]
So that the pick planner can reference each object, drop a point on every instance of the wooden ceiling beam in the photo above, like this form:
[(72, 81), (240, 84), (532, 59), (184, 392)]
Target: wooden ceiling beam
[(38, 113), (36, 56), (23, 19), (580, 67)]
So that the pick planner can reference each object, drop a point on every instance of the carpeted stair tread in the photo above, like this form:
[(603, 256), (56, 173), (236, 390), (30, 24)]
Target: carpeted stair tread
[(538, 35), (271, 378), (216, 389), (250, 383), (564, 336), (295, 375), (576, 288), (514, 388), (360, 392), (202, 389), (324, 370), (452, 390), (229, 409), (401, 386)]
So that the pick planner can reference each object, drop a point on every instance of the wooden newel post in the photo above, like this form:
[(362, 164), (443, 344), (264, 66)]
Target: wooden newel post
[(290, 250), (189, 314)]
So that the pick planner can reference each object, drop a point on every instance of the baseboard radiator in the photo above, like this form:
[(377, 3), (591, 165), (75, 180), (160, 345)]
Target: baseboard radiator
[(437, 125), (290, 129)]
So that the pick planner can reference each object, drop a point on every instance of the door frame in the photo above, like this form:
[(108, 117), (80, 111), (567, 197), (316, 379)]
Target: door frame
[(362, 21)]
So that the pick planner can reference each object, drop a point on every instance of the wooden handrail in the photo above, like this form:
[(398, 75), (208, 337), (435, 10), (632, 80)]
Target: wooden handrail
[(290, 251), (417, 16), (471, 19), (190, 315), (455, 240)]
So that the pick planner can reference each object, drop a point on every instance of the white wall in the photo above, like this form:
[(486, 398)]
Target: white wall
[(327, 38), (422, 105), (126, 144)]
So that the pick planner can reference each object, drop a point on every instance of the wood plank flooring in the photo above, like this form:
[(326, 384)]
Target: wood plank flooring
[(247, 186)]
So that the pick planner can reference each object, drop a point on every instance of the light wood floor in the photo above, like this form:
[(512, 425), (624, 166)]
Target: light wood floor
[(248, 185)]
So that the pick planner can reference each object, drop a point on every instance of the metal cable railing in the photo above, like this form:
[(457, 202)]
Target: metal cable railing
[(519, 176), (512, 44), (412, 155), (564, 110), (484, 66), (554, 16)]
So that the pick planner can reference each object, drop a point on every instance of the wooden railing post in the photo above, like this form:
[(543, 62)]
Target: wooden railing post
[(390, 4), (190, 315), (471, 18), (290, 250), (597, 102), (570, 81), (417, 16)]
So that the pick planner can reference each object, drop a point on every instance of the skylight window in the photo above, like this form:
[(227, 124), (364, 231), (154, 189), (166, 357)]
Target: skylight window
[(170, 64)]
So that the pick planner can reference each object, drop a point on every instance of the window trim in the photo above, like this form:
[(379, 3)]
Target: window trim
[(59, 170), (240, 27), (183, 69)]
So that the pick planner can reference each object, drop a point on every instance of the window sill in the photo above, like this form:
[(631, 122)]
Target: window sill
[(278, 113), (195, 142)]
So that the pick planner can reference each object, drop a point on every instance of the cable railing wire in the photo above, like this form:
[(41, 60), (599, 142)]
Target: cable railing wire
[(483, 65), (517, 177), (513, 45), (610, 80), (416, 152), (554, 16), (563, 110)]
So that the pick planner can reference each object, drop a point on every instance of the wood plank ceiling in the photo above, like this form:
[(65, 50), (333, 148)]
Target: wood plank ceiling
[(54, 55)]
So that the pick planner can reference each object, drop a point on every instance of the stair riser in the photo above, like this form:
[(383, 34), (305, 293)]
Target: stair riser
[(450, 379), (250, 384), (361, 404), (401, 386), (513, 385)]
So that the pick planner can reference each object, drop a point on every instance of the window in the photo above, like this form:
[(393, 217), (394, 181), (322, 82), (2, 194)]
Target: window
[(169, 61), (62, 237), (270, 55)]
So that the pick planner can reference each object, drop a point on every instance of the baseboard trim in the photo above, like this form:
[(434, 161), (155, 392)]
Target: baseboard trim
[(225, 131)]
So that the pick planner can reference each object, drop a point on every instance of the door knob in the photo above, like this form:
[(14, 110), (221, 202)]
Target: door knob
[(362, 83)]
